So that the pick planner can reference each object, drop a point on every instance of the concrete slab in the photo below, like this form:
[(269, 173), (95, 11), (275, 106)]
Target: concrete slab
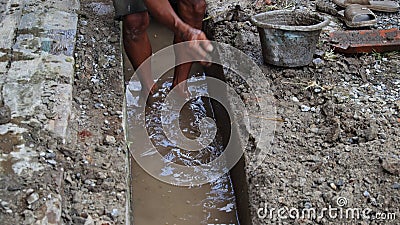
[(22, 98), (37, 39), (7, 30), (3, 70), (59, 20), (67, 6), (44, 68), (62, 111), (24, 72)]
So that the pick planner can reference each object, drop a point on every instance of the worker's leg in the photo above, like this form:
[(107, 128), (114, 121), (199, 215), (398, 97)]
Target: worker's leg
[(137, 46), (191, 12)]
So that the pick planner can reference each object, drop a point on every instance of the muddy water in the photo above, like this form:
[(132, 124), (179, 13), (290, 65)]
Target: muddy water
[(155, 202)]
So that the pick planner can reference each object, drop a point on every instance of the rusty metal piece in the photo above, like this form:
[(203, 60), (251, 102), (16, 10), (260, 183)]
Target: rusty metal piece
[(365, 41)]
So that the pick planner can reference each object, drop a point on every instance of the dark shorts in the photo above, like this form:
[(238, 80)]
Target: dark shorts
[(126, 7)]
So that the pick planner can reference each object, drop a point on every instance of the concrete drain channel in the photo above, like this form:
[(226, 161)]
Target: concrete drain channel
[(223, 201)]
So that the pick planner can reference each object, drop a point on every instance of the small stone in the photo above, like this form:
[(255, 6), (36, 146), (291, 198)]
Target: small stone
[(318, 62), (391, 166), (68, 178), (307, 205), (373, 201), (114, 39), (396, 186), (101, 148), (372, 99), (105, 128), (29, 217), (114, 213), (52, 162), (371, 133), (50, 155), (319, 53), (333, 186), (366, 194), (367, 180), (32, 198), (295, 99), (88, 182), (305, 108), (78, 100), (314, 130), (34, 123), (78, 220), (89, 221), (4, 204), (5, 114), (101, 175), (319, 181), (106, 165), (77, 197), (340, 183), (99, 105), (109, 140), (50, 114)]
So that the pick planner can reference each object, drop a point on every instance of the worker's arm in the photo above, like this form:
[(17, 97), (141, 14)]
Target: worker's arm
[(164, 13)]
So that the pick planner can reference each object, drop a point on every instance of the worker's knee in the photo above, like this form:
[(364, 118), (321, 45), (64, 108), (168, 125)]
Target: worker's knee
[(196, 8), (135, 25)]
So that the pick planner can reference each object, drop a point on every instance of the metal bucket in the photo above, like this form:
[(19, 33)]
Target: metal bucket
[(289, 38)]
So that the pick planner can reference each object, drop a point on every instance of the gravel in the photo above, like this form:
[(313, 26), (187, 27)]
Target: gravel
[(343, 111)]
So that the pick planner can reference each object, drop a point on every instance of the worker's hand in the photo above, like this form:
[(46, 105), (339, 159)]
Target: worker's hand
[(199, 45)]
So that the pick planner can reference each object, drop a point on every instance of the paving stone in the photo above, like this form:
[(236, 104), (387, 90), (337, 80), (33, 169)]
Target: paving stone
[(63, 94), (3, 70), (59, 20), (67, 6), (24, 72), (30, 21), (22, 98), (7, 30), (25, 161)]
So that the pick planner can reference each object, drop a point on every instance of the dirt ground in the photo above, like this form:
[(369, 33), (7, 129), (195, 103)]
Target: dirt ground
[(340, 135), (95, 168), (339, 139)]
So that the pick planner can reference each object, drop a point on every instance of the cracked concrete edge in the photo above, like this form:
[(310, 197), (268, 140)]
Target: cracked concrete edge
[(261, 123), (27, 91), (128, 206), (128, 209)]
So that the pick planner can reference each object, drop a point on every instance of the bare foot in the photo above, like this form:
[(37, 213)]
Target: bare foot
[(181, 89), (146, 94)]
